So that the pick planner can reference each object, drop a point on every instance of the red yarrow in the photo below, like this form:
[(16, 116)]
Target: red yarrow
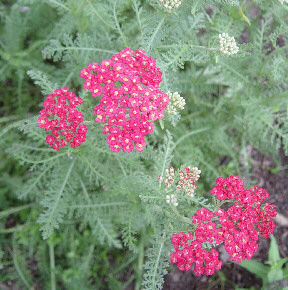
[(62, 119), (238, 227), (130, 99)]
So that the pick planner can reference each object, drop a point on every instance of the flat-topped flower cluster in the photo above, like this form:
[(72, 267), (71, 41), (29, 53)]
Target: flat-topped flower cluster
[(130, 100), (238, 228), (128, 85), (228, 44), (183, 179), (176, 103), (61, 117), (170, 4)]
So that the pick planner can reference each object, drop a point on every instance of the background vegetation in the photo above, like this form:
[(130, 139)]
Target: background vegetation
[(91, 219)]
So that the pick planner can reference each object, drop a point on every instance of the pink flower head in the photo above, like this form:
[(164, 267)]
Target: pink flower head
[(238, 227), (61, 117), (130, 99)]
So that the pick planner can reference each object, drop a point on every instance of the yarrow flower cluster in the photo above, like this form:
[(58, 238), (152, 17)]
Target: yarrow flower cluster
[(176, 103), (61, 117), (283, 1), (238, 227), (185, 179), (128, 85), (170, 174), (189, 251), (227, 44), (170, 4)]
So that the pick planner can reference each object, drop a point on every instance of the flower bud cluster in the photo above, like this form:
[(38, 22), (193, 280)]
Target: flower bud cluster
[(169, 177), (227, 44), (170, 4), (185, 180), (130, 98), (176, 103), (63, 120), (171, 199), (238, 227), (283, 1)]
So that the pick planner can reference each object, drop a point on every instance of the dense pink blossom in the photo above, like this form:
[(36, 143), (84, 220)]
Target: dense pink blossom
[(130, 99), (62, 119), (238, 227)]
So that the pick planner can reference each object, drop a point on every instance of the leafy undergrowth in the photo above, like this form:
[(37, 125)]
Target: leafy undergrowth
[(86, 217)]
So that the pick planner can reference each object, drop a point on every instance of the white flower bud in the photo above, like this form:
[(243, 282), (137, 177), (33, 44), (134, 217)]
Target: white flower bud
[(174, 200), (171, 199), (227, 44), (170, 4), (176, 103)]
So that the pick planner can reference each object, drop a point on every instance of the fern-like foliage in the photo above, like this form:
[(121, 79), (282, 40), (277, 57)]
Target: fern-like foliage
[(42, 81), (60, 5), (153, 37), (81, 49), (156, 264), (54, 204), (91, 203)]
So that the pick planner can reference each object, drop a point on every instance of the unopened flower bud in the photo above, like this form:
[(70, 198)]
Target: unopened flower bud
[(176, 103), (228, 44)]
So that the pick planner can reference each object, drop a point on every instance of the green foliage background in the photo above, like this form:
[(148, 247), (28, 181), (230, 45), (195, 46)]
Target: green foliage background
[(92, 219)]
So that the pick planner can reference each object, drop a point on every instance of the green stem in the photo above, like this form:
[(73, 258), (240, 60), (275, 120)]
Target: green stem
[(15, 209), (219, 204), (243, 16), (140, 265), (7, 119), (87, 261), (12, 230), (164, 160), (164, 78), (52, 266), (157, 262), (97, 205), (43, 160), (59, 195), (215, 202), (28, 51), (16, 264), (269, 57), (68, 79), (274, 98), (118, 25), (121, 166), (189, 45), (123, 266), (235, 72), (19, 89), (187, 135), (61, 5), (98, 14), (36, 149), (11, 126), (89, 122), (183, 218), (155, 33), (84, 190), (84, 48), (138, 16)]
